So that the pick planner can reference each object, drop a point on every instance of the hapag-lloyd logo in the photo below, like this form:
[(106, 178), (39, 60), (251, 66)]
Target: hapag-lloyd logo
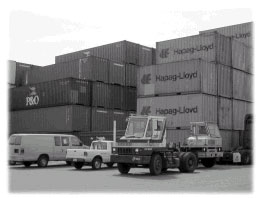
[(146, 110), (146, 78), (241, 35), (33, 98), (175, 111), (190, 50)]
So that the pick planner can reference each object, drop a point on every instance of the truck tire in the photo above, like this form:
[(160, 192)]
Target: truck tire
[(96, 163), (43, 161), (110, 165), (78, 165), (189, 163), (245, 158), (156, 164), (181, 161), (208, 162), (27, 164), (123, 168)]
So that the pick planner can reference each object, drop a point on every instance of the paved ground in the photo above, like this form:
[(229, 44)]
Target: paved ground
[(61, 178)]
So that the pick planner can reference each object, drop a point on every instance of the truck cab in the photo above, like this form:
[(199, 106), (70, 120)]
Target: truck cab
[(205, 141), (144, 145), (98, 153)]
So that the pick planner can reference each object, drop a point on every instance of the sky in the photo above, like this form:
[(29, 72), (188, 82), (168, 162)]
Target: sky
[(37, 35), (36, 31)]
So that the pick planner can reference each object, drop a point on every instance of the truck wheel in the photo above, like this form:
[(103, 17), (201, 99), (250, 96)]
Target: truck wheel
[(208, 162), (110, 165), (78, 165), (189, 162), (181, 161), (155, 166), (123, 168), (164, 169), (96, 163), (245, 158), (27, 164), (43, 161)]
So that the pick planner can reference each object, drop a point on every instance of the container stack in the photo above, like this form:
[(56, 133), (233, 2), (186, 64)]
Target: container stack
[(82, 93), (206, 77)]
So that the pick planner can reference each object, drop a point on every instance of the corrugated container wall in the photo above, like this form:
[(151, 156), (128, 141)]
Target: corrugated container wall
[(242, 57), (230, 139), (176, 137), (131, 75), (194, 76), (117, 97), (225, 81), (122, 52), (131, 99), (117, 73), (241, 32), (52, 119), (101, 94), (180, 110), (11, 72), (225, 113), (53, 93), (242, 85), (120, 118), (91, 68), (212, 48), (101, 119), (240, 110)]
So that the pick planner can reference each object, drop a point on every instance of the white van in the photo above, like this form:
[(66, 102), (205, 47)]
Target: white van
[(40, 148)]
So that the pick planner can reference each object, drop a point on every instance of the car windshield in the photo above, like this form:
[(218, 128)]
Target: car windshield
[(99, 145), (136, 127)]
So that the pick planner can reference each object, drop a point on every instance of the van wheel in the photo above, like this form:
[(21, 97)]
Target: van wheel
[(110, 165), (96, 163), (43, 161), (123, 168), (189, 163), (78, 165), (155, 166), (208, 162), (181, 161), (27, 164)]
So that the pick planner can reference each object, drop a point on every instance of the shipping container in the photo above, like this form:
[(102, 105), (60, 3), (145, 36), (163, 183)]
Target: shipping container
[(120, 118), (180, 110), (225, 81), (225, 113), (101, 119), (53, 93), (230, 139), (196, 76), (212, 48), (242, 57), (90, 68), (131, 75), (242, 32), (53, 119), (101, 94), (117, 73), (242, 85), (122, 52), (11, 72), (131, 98), (240, 110), (177, 137), (117, 97)]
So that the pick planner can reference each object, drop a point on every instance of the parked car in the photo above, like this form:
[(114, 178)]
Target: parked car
[(40, 148)]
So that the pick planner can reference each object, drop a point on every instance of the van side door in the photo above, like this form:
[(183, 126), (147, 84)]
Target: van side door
[(57, 148)]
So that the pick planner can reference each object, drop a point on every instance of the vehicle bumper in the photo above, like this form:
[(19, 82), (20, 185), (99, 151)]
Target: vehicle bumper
[(16, 158), (75, 160), (209, 154), (130, 159)]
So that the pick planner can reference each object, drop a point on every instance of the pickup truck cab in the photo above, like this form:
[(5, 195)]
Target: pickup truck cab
[(99, 153)]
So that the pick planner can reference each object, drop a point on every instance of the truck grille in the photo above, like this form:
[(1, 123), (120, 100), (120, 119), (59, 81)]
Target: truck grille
[(125, 151)]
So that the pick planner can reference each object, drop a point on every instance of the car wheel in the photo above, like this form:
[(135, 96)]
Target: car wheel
[(78, 165), (43, 161), (96, 163)]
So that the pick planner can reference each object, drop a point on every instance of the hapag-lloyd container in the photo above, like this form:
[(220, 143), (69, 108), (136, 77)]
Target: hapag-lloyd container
[(117, 73), (212, 48), (242, 57), (122, 52), (180, 110), (240, 110), (53, 119), (242, 32), (242, 85), (225, 113), (177, 136), (196, 76), (131, 75), (90, 68), (225, 81), (53, 93)]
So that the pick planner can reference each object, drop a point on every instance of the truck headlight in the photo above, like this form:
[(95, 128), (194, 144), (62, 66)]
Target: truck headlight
[(114, 150), (204, 149), (85, 154), (219, 149), (136, 150)]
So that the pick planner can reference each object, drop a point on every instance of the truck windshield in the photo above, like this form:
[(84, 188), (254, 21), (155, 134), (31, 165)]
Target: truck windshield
[(136, 127)]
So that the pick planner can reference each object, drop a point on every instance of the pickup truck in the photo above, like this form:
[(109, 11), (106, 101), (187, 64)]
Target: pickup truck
[(99, 153)]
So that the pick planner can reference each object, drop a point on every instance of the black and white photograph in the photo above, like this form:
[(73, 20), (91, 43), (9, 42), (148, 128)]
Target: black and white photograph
[(133, 98)]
